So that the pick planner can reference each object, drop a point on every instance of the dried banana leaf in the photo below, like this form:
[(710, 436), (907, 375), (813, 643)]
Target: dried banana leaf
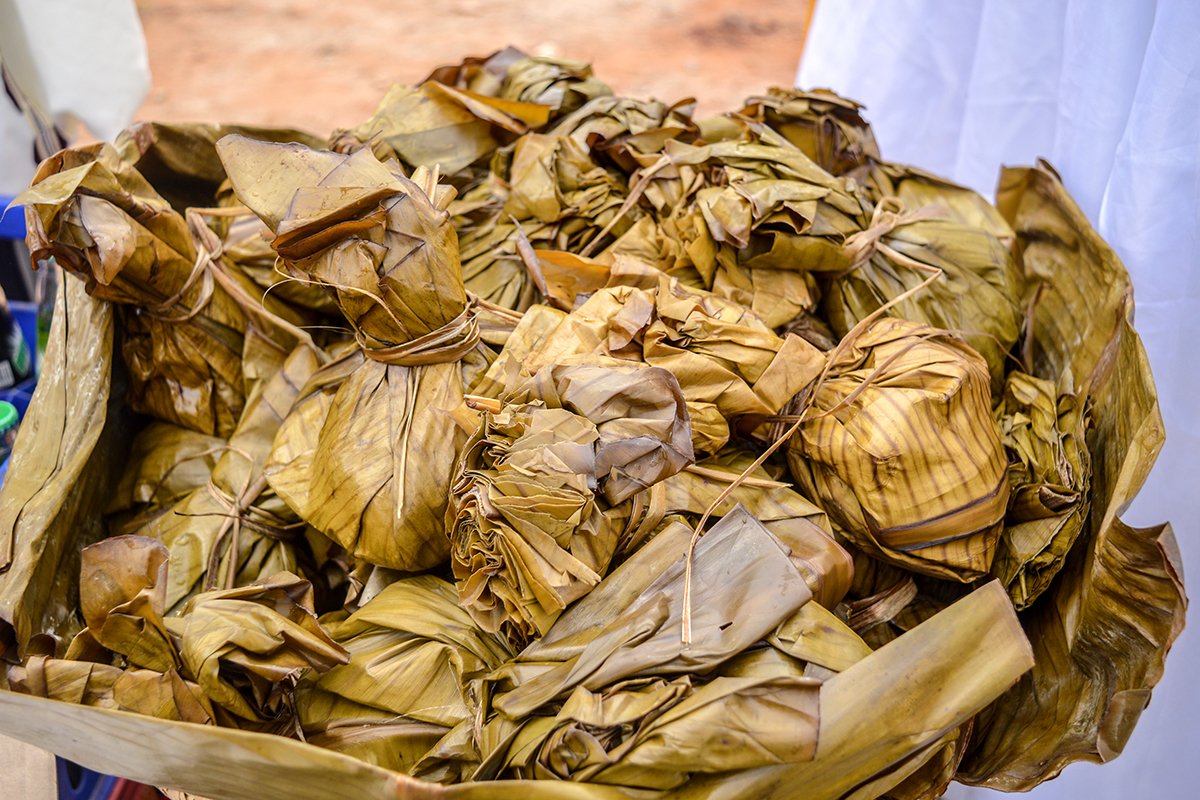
[(917, 189), (559, 83), (414, 653), (1050, 473), (165, 695), (551, 192), (1103, 628), (165, 463), (654, 733), (435, 125), (478, 74), (371, 735), (62, 471), (827, 128), (180, 159), (99, 218), (744, 585), (382, 246), (816, 635), (802, 526), (897, 703), (729, 363), (777, 218), (902, 451), (247, 646), (977, 292), (534, 518), (233, 530), (122, 597)]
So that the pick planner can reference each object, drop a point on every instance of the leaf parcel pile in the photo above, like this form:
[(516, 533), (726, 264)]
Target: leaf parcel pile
[(533, 441)]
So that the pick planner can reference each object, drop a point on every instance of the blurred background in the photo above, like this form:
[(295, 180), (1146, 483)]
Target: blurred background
[(318, 65)]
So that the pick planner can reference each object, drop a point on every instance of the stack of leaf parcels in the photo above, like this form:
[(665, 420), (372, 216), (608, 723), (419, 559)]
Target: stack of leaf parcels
[(528, 432)]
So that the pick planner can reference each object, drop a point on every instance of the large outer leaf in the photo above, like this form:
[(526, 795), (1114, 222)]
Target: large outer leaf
[(62, 471), (1102, 630), (895, 703)]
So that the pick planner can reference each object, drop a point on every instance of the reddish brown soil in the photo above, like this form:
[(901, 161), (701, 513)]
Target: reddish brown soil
[(323, 64)]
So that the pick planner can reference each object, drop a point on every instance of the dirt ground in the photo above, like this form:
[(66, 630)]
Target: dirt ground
[(320, 65)]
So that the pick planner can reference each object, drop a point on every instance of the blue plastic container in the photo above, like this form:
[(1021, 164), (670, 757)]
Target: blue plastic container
[(12, 220)]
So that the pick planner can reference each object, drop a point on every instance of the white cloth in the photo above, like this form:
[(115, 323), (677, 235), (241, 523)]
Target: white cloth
[(1109, 93), (81, 60)]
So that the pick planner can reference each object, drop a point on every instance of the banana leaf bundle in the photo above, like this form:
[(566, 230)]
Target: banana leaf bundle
[(232, 529), (415, 661), (827, 128), (903, 453), (552, 193), (694, 277), (185, 310), (564, 190), (916, 189), (99, 218), (381, 245), (439, 126), (562, 84), (654, 733), (977, 292), (165, 463), (535, 517), (761, 588), (731, 364), (230, 657), (1049, 474), (772, 219), (800, 525)]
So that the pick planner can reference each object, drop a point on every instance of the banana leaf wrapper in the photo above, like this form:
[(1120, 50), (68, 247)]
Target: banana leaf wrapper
[(1045, 432), (552, 193), (435, 125), (627, 133), (63, 471), (247, 243), (165, 695), (917, 189), (654, 733), (903, 453), (745, 585), (981, 642), (185, 307), (1101, 631), (801, 526), (365, 733), (729, 363), (827, 128), (479, 74), (367, 453), (246, 647), (535, 517), (415, 654), (240, 650), (233, 530), (165, 463), (977, 293), (774, 217), (180, 159), (881, 729), (100, 219), (562, 84)]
